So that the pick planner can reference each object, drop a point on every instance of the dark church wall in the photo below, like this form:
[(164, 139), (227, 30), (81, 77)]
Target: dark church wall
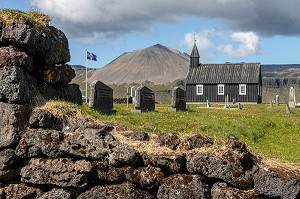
[(210, 92)]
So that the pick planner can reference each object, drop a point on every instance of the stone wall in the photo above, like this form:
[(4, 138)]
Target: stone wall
[(33, 61), (82, 158)]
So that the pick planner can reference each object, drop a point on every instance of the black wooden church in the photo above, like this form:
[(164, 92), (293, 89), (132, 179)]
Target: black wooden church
[(241, 82)]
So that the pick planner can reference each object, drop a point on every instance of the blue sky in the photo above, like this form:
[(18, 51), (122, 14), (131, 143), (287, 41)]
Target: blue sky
[(265, 31)]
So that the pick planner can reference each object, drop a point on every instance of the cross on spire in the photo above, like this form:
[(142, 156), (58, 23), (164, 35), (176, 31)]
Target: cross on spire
[(194, 38)]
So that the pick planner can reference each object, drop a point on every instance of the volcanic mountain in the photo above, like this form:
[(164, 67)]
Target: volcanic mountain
[(158, 64)]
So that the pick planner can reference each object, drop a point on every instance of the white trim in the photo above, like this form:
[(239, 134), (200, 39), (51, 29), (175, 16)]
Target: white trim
[(221, 89), (199, 89), (242, 91)]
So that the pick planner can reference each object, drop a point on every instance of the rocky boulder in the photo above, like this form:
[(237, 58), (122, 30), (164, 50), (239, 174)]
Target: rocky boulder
[(124, 190), (47, 46), (276, 184), (170, 140), (184, 186), (58, 194), (169, 164), (123, 155), (44, 119), (146, 177), (10, 56), (69, 92), (231, 170), (13, 123), (7, 161), (40, 142), (63, 172), (222, 190), (16, 86), (92, 143), (58, 75), (20, 191)]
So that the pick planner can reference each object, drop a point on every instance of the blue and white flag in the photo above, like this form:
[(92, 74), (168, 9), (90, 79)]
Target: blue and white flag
[(91, 56)]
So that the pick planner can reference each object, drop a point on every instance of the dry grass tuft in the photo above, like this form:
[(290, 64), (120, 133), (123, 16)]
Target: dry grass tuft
[(32, 17), (153, 148), (66, 112), (284, 169)]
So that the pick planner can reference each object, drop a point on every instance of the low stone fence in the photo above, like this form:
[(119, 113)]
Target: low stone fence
[(57, 158)]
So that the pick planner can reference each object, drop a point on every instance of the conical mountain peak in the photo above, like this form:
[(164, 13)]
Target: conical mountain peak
[(157, 63)]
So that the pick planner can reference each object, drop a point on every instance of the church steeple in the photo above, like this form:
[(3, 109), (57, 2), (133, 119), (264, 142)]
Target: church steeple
[(194, 58)]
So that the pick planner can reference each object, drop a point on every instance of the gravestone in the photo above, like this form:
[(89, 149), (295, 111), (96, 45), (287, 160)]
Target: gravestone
[(208, 104), (287, 109), (226, 102), (178, 99), (240, 106), (144, 99), (101, 98), (292, 98), (271, 103), (277, 100)]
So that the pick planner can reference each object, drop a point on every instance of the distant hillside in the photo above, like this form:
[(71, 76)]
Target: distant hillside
[(281, 70), (157, 64), (77, 67)]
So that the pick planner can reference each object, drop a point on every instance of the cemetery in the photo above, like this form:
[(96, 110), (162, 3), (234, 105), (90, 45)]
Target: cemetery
[(55, 146)]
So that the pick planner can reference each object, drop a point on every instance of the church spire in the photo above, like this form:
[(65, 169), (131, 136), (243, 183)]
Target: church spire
[(194, 57)]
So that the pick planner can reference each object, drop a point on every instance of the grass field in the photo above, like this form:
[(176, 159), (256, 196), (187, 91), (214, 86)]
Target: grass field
[(269, 132)]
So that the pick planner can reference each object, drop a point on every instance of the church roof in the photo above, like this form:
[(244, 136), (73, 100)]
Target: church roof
[(228, 73)]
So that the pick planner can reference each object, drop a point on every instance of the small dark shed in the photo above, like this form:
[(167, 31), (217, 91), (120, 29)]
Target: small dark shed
[(241, 82)]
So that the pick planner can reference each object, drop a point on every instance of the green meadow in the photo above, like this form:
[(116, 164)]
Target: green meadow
[(268, 131)]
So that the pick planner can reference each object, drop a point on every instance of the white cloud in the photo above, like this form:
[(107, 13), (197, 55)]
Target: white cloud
[(211, 42), (202, 40), (248, 44), (112, 18)]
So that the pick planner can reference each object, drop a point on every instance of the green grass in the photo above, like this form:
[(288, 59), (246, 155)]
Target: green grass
[(268, 131)]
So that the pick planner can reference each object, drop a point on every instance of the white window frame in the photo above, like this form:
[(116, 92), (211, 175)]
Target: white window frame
[(199, 89), (241, 91), (219, 89)]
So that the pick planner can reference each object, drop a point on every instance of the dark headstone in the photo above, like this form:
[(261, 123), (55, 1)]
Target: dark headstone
[(277, 100), (101, 97), (287, 109), (240, 106), (178, 99), (145, 99)]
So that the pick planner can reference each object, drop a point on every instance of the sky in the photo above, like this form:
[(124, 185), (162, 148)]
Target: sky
[(265, 31)]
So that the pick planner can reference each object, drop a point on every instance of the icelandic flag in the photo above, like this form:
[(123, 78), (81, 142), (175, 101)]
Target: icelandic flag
[(91, 56)]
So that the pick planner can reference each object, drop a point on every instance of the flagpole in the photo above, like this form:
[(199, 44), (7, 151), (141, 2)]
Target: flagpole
[(86, 76)]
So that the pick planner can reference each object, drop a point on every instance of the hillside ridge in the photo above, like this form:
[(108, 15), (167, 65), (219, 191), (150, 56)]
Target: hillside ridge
[(156, 63)]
